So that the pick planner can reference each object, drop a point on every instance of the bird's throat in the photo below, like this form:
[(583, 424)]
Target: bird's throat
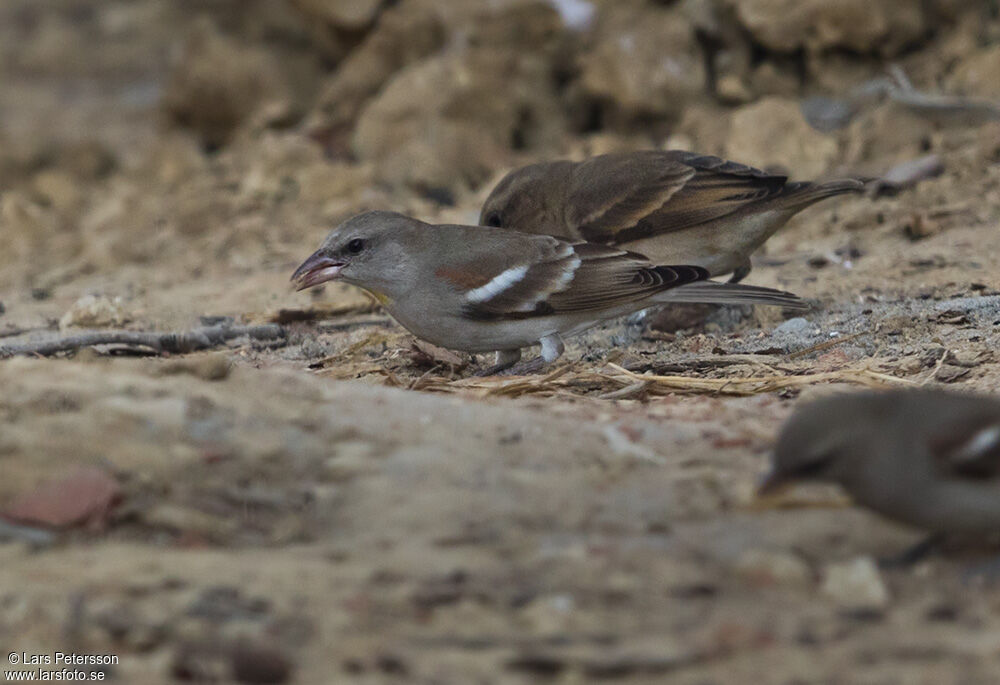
[(382, 298)]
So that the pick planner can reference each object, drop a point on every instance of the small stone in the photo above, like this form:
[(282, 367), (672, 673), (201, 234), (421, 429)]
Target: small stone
[(196, 662), (84, 496), (188, 521), (772, 567), (353, 458), (214, 366), (731, 89), (57, 189), (95, 311), (920, 226), (855, 584), (798, 325)]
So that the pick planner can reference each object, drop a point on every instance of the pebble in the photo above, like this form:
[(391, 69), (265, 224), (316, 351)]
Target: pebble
[(183, 520), (94, 311), (84, 495), (353, 459), (214, 366), (772, 567), (855, 584), (794, 326), (970, 304)]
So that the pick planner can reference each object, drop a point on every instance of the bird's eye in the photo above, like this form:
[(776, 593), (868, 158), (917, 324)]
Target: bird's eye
[(355, 246), (493, 219)]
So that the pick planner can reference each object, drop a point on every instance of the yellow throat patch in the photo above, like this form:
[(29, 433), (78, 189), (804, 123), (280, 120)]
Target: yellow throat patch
[(382, 298)]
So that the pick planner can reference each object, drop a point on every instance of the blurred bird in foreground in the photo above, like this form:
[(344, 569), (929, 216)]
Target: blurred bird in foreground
[(675, 207), (926, 458), (478, 290)]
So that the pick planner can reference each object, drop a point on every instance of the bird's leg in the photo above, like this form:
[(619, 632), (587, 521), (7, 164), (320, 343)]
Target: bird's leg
[(741, 272), (914, 553), (638, 318), (505, 359), (635, 325), (552, 349)]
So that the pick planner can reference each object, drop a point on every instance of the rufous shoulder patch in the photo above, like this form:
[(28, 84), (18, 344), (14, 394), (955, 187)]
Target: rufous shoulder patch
[(467, 280)]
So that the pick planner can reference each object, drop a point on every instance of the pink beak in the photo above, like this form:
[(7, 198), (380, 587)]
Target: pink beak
[(317, 269)]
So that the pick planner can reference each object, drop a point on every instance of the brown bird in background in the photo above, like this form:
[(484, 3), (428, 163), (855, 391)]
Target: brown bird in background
[(926, 458), (484, 290), (675, 207)]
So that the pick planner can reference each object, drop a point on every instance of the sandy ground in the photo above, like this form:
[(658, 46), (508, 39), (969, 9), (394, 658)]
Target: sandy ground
[(338, 507)]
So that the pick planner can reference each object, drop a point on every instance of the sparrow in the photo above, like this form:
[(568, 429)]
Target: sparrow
[(926, 458), (673, 206), (493, 290)]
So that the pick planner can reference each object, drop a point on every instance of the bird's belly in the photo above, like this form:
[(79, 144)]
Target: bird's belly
[(488, 336), (720, 246), (470, 335)]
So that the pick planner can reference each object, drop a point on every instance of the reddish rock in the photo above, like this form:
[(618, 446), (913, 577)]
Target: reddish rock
[(85, 496)]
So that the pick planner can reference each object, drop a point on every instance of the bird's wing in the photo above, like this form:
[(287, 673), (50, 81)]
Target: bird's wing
[(607, 278), (564, 277), (969, 446), (627, 197)]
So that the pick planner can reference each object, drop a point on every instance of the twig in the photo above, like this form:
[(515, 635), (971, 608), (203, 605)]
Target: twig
[(415, 385), (625, 393), (326, 327), (320, 312), (173, 342), (755, 385), (566, 382), (699, 364), (11, 332), (819, 347), (907, 175), (831, 113)]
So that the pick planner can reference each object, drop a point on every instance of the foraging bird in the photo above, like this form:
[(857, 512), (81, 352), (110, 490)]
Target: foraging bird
[(927, 458), (675, 207), (478, 290)]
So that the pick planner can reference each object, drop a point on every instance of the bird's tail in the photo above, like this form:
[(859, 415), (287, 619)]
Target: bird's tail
[(799, 195), (731, 293)]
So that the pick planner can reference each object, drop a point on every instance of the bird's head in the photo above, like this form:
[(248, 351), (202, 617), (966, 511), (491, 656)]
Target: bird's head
[(821, 442), (529, 199), (372, 250)]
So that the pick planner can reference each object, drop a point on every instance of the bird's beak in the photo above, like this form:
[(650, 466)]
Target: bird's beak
[(319, 268), (771, 483)]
